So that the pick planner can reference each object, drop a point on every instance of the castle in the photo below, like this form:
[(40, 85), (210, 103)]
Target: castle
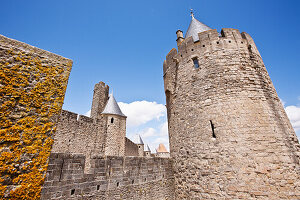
[(102, 134), (230, 137)]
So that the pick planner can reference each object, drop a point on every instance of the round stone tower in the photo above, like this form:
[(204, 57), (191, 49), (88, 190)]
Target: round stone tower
[(230, 137), (115, 130)]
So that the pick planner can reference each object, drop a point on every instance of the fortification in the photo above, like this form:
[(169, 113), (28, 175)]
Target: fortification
[(230, 137), (110, 178), (32, 89)]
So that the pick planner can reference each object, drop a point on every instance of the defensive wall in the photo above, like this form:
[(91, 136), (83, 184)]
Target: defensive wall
[(109, 178), (80, 134), (230, 137), (32, 89)]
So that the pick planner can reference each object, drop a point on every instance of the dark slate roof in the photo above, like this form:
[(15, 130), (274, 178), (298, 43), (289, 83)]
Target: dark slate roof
[(140, 141), (147, 148), (112, 107), (195, 28)]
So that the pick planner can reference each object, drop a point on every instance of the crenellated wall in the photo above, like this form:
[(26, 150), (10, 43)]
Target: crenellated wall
[(229, 134), (80, 135), (109, 178)]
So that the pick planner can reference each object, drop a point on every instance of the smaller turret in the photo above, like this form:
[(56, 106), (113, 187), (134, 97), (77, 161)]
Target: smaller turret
[(140, 144), (116, 128), (161, 151), (180, 37), (147, 151)]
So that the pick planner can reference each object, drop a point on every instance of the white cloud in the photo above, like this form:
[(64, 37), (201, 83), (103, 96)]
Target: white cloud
[(148, 132), (141, 112), (293, 113), (164, 129)]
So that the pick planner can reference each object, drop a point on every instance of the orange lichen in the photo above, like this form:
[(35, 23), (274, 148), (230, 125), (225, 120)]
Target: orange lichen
[(31, 96)]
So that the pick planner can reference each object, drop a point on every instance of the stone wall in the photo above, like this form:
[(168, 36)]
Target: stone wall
[(81, 135), (109, 178), (32, 89), (131, 149), (230, 137)]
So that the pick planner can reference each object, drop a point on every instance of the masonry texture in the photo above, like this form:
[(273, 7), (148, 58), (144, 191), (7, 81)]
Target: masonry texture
[(230, 137), (109, 178), (32, 89)]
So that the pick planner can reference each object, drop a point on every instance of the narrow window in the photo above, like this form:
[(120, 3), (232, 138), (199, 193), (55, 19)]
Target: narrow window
[(98, 187), (112, 120), (196, 63), (72, 191), (132, 182), (213, 129), (118, 184)]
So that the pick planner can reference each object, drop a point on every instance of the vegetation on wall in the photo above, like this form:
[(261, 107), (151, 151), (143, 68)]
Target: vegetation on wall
[(32, 89)]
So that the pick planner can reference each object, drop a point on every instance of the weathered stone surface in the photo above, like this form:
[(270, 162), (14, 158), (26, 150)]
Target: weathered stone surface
[(230, 137), (109, 178), (32, 89)]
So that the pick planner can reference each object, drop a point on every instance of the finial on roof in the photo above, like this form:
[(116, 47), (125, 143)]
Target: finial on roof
[(195, 27), (192, 13)]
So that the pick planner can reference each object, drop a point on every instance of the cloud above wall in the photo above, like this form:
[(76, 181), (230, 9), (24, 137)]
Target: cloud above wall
[(141, 112), (293, 113)]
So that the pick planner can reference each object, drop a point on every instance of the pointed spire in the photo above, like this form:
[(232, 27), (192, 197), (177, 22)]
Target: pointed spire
[(140, 141), (112, 107), (147, 148), (195, 27)]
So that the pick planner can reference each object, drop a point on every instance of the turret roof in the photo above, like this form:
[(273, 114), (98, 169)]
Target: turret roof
[(196, 27), (147, 148), (112, 107), (161, 148), (139, 140)]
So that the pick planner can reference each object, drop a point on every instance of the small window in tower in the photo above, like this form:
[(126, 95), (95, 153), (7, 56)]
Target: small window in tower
[(196, 63), (112, 120)]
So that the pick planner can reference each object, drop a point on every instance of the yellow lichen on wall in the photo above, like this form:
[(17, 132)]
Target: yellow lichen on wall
[(32, 89)]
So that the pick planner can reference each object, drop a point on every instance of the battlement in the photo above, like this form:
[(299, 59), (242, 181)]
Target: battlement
[(209, 42), (79, 134), (75, 118), (110, 177)]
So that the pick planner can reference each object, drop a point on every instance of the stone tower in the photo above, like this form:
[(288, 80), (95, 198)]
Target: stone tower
[(140, 145), (116, 128), (230, 137), (100, 98)]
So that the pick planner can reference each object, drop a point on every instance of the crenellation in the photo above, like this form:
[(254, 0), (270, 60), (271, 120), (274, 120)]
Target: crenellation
[(230, 137), (110, 173), (223, 119)]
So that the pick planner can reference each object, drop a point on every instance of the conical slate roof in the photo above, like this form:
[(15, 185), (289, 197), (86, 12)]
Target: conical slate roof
[(112, 107), (161, 148), (139, 141), (147, 148), (195, 28)]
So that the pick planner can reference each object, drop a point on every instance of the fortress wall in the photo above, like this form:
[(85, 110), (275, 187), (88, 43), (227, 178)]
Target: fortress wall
[(110, 178), (32, 89), (131, 149), (229, 134), (80, 135)]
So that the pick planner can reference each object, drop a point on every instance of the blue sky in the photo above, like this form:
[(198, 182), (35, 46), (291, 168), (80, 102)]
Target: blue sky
[(124, 43)]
